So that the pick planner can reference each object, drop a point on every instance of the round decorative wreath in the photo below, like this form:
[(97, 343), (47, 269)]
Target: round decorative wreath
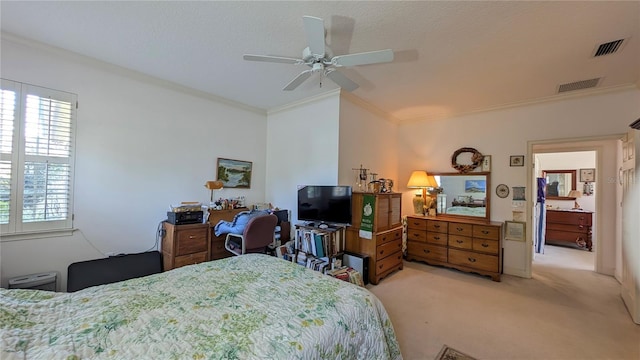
[(476, 159)]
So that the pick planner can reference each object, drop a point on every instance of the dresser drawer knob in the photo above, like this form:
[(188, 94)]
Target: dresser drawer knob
[(191, 237), (485, 232), (436, 226), (485, 245), (384, 238), (426, 251), (436, 238), (459, 241), (381, 252), (472, 259), (459, 229)]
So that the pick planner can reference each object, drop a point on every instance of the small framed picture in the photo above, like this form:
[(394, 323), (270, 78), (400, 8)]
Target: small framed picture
[(486, 163), (587, 175), (516, 160), (515, 230)]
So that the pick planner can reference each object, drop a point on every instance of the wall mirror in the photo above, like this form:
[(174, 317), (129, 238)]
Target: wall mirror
[(464, 195), (559, 183)]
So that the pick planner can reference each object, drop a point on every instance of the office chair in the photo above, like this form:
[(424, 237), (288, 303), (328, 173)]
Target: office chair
[(255, 237)]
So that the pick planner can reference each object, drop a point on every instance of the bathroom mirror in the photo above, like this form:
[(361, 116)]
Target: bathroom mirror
[(464, 195), (559, 183)]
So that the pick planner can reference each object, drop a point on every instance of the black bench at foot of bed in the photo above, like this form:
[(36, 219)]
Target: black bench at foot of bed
[(88, 273)]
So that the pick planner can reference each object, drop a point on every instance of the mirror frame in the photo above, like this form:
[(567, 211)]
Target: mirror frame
[(488, 191), (573, 183)]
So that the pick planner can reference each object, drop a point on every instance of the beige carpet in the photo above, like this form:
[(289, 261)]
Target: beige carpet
[(565, 312)]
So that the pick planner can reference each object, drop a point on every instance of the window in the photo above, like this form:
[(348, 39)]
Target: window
[(37, 140)]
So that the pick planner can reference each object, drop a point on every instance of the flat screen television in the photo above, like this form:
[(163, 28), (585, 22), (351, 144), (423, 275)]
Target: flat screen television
[(325, 204)]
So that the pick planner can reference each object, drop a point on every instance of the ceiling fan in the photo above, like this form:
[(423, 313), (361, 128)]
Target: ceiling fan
[(320, 59)]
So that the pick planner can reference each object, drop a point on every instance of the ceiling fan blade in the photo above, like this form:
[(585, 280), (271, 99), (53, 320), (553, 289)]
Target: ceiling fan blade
[(314, 27), (342, 81), (298, 80), (365, 58), (274, 59)]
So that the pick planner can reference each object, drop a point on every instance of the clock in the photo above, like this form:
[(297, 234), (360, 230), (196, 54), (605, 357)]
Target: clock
[(502, 191), (587, 175)]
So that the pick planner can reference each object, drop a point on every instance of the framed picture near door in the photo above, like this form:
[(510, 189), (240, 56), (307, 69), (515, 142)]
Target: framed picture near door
[(514, 230), (587, 175)]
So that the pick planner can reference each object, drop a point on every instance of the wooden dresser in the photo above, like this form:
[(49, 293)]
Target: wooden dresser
[(217, 242), (467, 245), (184, 245), (569, 227), (385, 246)]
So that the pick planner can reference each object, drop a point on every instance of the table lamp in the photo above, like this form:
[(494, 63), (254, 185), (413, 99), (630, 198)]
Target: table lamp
[(575, 194), (213, 185), (420, 180)]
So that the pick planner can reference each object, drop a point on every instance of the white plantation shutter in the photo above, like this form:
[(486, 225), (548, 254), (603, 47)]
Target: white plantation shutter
[(37, 183)]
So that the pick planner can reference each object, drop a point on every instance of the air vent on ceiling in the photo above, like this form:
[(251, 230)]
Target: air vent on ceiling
[(578, 85), (608, 48), (635, 124)]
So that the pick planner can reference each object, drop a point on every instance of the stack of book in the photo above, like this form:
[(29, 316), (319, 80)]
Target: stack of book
[(348, 274)]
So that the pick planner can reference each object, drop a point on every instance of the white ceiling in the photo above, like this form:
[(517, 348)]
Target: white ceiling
[(451, 57)]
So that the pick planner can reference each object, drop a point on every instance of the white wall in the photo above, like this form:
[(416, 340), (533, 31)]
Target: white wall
[(141, 146), (369, 139), (302, 149), (429, 145)]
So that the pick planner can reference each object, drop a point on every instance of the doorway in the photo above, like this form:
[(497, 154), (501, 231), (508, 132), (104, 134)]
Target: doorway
[(577, 197), (604, 201)]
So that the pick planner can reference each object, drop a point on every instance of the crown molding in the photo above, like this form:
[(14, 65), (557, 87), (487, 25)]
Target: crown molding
[(90, 61), (303, 102), (368, 106), (543, 100)]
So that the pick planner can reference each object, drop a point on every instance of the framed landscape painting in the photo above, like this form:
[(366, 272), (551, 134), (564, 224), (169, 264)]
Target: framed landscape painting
[(234, 173)]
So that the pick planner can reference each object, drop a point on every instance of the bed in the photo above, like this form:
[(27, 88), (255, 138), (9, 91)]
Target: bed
[(467, 211), (246, 307)]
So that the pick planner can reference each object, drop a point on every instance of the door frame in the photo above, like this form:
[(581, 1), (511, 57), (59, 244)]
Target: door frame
[(569, 145)]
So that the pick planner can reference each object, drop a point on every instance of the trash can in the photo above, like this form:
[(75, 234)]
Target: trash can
[(43, 281)]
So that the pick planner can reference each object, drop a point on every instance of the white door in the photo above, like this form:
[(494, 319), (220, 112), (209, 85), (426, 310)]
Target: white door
[(630, 289)]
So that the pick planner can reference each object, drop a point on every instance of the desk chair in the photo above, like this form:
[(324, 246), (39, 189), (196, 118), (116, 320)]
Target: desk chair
[(255, 237)]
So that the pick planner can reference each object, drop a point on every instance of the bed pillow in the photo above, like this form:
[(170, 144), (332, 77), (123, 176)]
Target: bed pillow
[(237, 225)]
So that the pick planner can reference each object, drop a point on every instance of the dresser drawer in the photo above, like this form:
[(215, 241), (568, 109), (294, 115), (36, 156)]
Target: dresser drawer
[(191, 241), (218, 250), (437, 238), (389, 262), (569, 217), (460, 242), (190, 259), (386, 249), (387, 236), (426, 251), (417, 235), (460, 229), (486, 246), (416, 223), (474, 260), (437, 226), (568, 228), (565, 236), (486, 232)]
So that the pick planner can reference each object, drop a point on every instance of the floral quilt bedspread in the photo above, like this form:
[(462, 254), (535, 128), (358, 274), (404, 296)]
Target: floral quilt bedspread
[(245, 307)]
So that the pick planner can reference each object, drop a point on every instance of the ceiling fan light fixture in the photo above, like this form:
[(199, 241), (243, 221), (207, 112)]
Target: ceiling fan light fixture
[(320, 59)]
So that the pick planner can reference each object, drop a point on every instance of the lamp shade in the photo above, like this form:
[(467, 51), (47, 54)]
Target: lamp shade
[(418, 179), (575, 194), (214, 185)]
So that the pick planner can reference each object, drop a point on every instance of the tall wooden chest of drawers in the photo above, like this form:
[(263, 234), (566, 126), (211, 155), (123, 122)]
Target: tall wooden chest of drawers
[(467, 245), (184, 245), (385, 246), (569, 227)]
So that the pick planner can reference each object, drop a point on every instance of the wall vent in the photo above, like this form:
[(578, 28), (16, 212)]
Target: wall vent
[(635, 124), (608, 48), (578, 85)]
